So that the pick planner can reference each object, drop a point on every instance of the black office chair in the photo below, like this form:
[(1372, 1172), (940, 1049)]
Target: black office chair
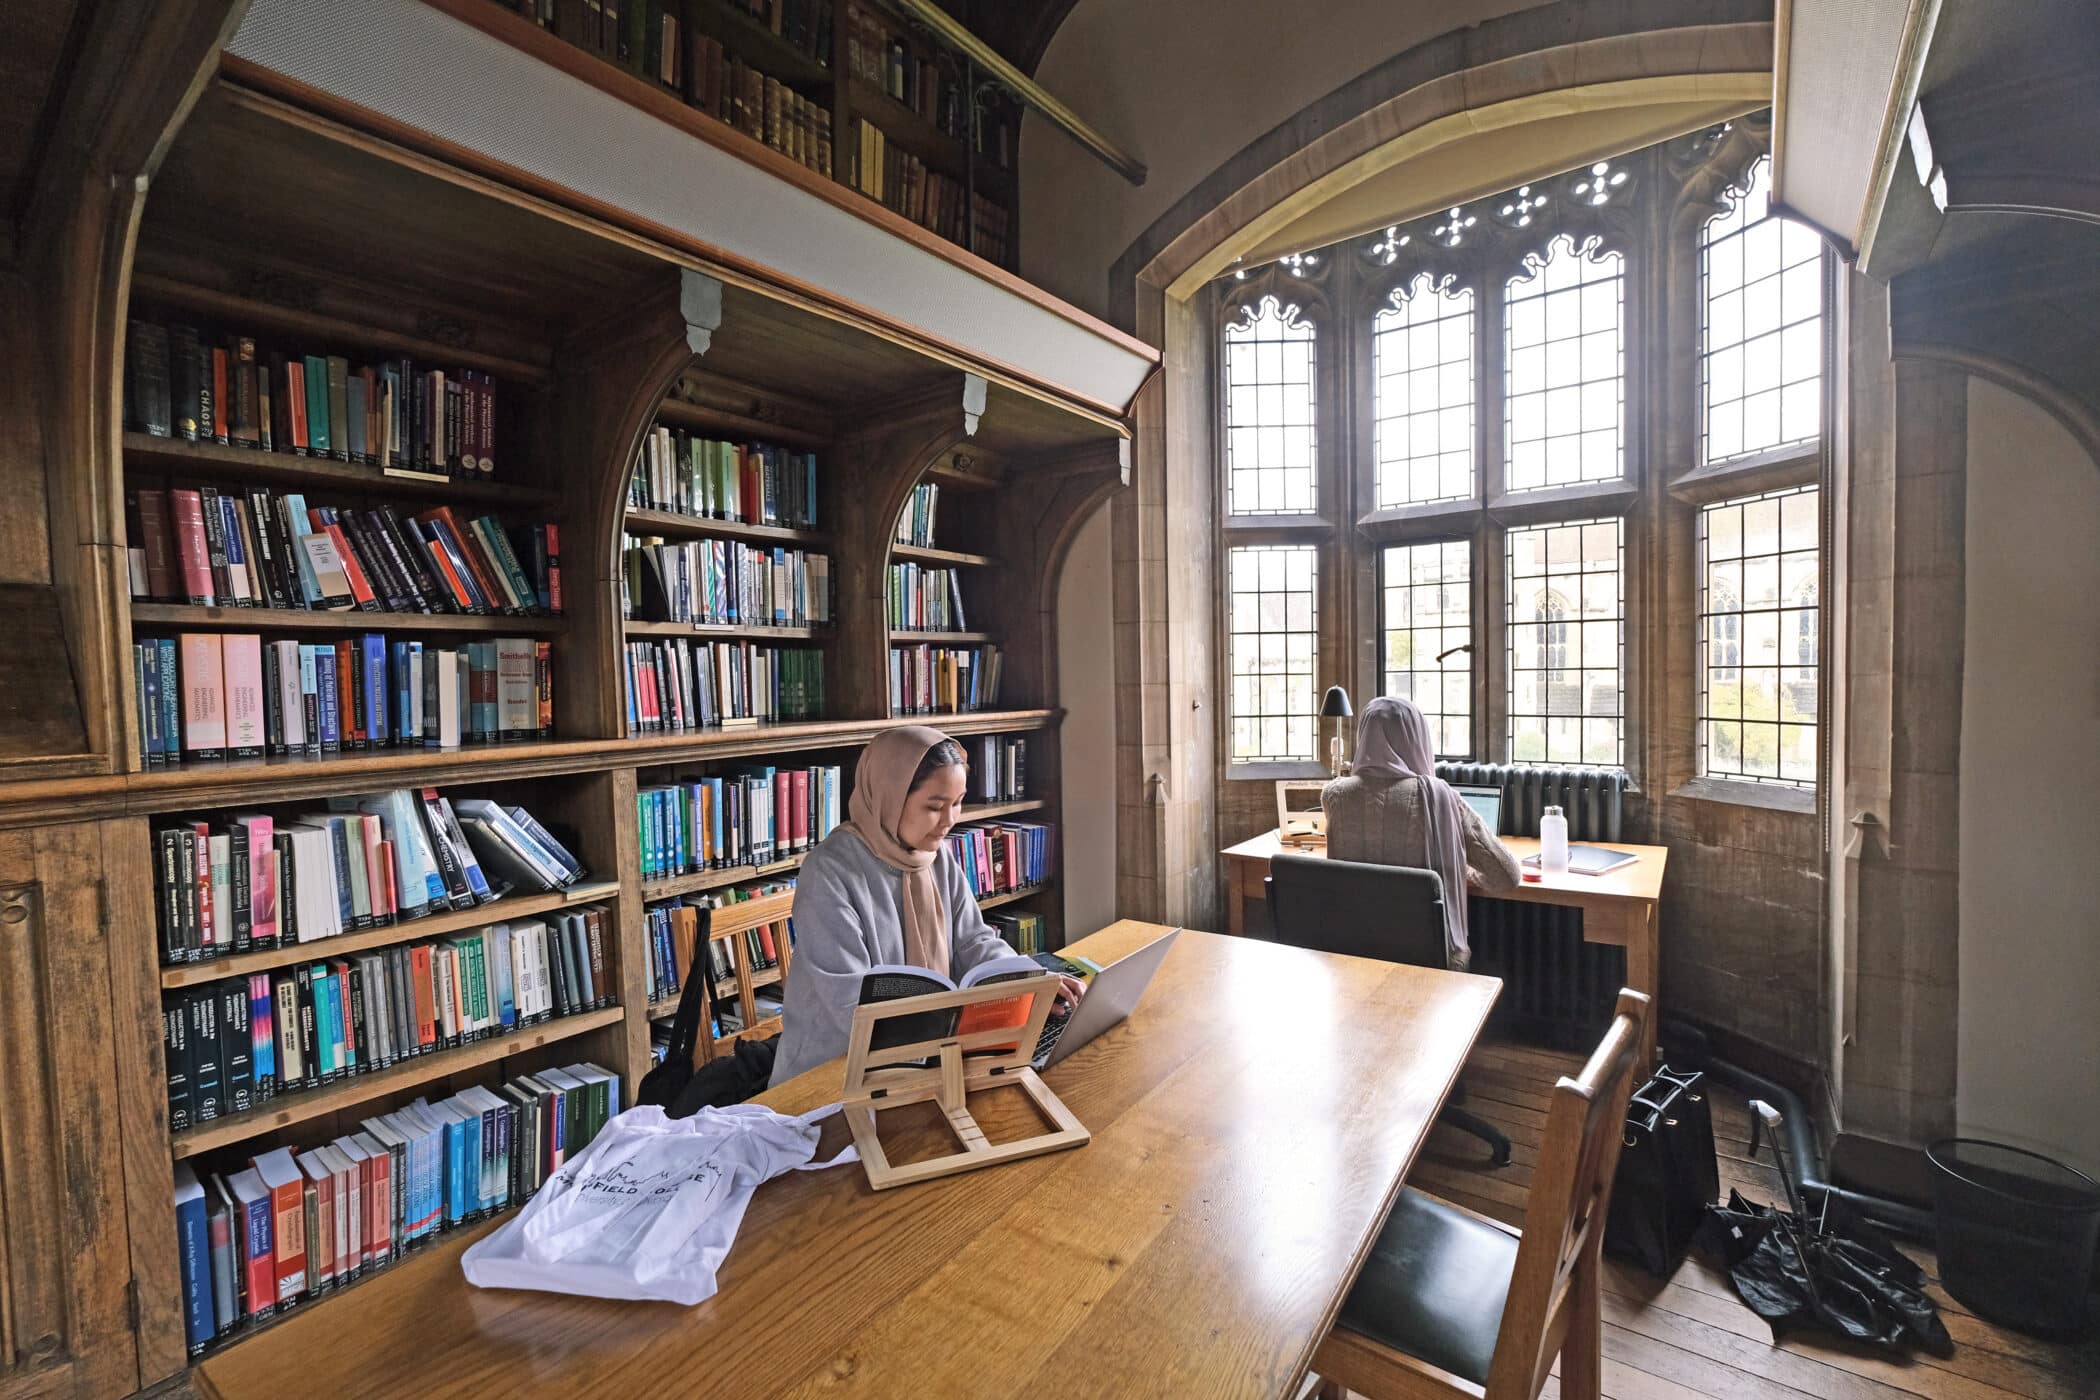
[(1393, 913)]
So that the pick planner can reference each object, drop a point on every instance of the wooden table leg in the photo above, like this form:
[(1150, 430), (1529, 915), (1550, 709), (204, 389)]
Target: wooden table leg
[(1235, 896), (1644, 971)]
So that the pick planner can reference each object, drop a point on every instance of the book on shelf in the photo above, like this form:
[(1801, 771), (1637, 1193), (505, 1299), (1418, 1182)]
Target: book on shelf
[(901, 182), (724, 582), (922, 599), (752, 816), (252, 882), (262, 548), (927, 679), (997, 857), (1024, 932), (722, 84), (236, 1044), (687, 473), (915, 521), (998, 767), (880, 53), (275, 1230), (675, 684), (207, 695), (199, 385), (676, 932)]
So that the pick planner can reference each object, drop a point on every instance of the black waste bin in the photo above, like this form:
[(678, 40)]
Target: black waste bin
[(2016, 1233)]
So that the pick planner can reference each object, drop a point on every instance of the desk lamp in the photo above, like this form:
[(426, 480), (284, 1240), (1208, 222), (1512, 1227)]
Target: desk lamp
[(1335, 705)]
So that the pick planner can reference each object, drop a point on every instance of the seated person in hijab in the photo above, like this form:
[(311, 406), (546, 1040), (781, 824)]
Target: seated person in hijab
[(1392, 809), (883, 888)]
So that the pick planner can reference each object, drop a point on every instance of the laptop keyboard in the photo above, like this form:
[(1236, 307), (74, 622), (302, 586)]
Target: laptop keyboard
[(1053, 1031)]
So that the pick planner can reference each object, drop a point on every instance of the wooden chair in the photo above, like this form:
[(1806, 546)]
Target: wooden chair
[(1453, 1304)]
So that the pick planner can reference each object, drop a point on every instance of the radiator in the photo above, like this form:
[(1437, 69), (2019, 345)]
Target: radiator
[(1556, 989)]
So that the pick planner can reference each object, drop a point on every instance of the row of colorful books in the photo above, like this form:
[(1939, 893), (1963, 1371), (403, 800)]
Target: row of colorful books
[(724, 582), (675, 928), (927, 679), (255, 881), (925, 600), (278, 1229), (998, 767), (751, 483), (915, 521), (236, 1044), (265, 549), (208, 695), (1026, 933), (1000, 856), (674, 684), (752, 817), (394, 415)]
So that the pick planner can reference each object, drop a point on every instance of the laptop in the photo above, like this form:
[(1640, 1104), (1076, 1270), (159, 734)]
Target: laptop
[(1110, 998), (1487, 801)]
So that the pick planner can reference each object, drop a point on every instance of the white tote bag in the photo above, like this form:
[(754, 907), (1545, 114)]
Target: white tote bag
[(651, 1208)]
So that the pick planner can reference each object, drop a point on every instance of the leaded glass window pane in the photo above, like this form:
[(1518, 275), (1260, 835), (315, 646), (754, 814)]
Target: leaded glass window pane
[(1270, 429), (1566, 642), (1564, 359), (1428, 613), (1422, 387), (1274, 638), (1761, 352)]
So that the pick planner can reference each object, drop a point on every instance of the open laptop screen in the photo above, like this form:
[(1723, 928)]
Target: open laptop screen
[(1487, 801)]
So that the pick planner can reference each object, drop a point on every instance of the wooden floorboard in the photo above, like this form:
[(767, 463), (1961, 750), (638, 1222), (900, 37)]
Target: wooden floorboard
[(1689, 1337)]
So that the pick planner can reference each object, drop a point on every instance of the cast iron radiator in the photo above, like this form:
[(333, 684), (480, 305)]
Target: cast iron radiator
[(1556, 989)]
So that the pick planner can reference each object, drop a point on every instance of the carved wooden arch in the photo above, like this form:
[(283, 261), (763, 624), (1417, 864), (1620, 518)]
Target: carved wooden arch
[(613, 377), (884, 458), (1045, 503)]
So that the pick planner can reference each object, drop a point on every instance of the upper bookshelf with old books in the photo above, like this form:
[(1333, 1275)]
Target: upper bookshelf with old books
[(489, 91)]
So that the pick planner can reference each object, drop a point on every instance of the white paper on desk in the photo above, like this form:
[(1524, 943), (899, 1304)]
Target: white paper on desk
[(651, 1208)]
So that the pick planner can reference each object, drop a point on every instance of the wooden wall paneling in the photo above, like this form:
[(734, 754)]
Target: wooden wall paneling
[(135, 76), (626, 856), (66, 1261), (880, 457), (141, 1088), (611, 377)]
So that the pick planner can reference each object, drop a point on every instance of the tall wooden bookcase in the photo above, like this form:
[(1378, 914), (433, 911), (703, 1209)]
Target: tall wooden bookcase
[(280, 214)]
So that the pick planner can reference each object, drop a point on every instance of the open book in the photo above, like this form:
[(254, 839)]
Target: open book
[(895, 981)]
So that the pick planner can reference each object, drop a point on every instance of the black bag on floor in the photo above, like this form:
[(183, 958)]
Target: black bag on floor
[(1667, 1176)]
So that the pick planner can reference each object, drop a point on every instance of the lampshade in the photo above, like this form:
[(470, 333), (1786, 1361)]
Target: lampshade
[(1335, 704)]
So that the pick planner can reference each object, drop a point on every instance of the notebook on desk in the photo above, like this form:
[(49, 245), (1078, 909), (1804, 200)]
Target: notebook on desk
[(1590, 860)]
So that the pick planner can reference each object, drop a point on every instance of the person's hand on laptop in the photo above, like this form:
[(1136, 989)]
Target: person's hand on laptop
[(1069, 991)]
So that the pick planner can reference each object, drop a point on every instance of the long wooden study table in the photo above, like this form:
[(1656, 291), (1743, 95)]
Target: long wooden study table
[(1200, 1244), (1618, 907)]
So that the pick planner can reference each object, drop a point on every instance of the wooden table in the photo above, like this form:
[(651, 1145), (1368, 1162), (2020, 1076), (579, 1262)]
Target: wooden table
[(1199, 1245), (1618, 907)]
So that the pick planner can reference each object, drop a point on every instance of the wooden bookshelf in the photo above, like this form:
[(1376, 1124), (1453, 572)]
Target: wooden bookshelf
[(365, 237), (403, 931), (672, 525), (216, 462), (953, 639), (191, 618), (951, 558), (715, 631), (300, 1106), (993, 901)]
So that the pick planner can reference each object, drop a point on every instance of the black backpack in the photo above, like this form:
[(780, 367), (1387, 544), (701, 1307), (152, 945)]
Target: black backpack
[(675, 1085)]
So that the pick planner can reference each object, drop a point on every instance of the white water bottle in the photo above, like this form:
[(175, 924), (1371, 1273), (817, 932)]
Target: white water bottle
[(1553, 842)]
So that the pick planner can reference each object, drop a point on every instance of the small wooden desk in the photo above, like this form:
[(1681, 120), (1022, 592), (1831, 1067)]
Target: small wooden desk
[(1200, 1245), (1618, 908)]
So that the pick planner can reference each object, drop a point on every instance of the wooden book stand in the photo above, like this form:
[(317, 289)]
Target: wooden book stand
[(875, 1080)]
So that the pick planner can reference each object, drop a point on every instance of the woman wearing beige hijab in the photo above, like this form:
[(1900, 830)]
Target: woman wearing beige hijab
[(882, 889)]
